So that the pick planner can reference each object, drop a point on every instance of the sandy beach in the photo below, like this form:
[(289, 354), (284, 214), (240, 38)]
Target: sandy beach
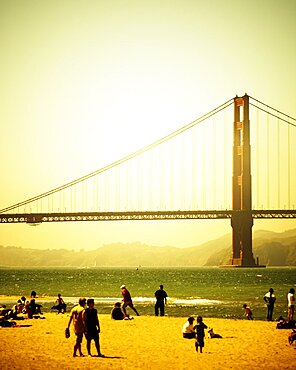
[(147, 342)]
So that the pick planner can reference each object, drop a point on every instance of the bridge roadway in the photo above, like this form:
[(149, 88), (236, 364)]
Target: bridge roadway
[(37, 218)]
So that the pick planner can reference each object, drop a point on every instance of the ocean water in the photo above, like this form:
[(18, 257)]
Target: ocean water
[(209, 292)]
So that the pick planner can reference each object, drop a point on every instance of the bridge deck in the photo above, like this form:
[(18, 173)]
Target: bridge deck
[(35, 218)]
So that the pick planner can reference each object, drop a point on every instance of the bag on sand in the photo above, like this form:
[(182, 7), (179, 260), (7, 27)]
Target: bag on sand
[(67, 333)]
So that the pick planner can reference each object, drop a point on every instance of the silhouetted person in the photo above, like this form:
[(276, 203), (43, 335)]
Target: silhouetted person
[(127, 300), (35, 307), (269, 298), (200, 334), (76, 317), (33, 294), (291, 304), (92, 326), (117, 313), (161, 300)]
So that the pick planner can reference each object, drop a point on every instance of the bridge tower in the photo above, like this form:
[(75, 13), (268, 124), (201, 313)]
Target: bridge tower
[(242, 220)]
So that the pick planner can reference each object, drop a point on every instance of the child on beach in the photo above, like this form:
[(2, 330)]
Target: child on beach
[(200, 333), (248, 312), (92, 326)]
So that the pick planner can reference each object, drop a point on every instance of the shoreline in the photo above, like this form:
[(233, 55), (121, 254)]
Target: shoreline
[(146, 308), (147, 342)]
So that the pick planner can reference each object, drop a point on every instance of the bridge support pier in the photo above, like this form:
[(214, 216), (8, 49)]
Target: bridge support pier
[(242, 220), (242, 255)]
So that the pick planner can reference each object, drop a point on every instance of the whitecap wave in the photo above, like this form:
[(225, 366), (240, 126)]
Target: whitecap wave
[(194, 302)]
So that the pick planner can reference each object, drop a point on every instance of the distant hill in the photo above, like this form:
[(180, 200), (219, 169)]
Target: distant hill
[(273, 249), (130, 255)]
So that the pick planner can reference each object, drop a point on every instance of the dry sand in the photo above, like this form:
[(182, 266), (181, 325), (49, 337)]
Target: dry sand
[(147, 342)]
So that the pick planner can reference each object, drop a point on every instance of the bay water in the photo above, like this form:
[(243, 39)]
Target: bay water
[(209, 292)]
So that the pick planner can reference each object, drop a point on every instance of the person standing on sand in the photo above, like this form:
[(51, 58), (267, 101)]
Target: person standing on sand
[(161, 300), (291, 304), (76, 317), (200, 333), (127, 300), (92, 326), (269, 298)]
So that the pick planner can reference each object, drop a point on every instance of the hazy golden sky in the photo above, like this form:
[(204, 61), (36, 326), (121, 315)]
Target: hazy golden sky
[(83, 83)]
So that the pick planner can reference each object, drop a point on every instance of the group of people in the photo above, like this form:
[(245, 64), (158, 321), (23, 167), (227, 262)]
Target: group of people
[(269, 299), (196, 332), (22, 307), (86, 322), (119, 310)]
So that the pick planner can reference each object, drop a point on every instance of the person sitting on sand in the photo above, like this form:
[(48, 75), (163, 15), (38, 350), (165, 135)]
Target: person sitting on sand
[(28, 310), (20, 306), (15, 312), (92, 326), (5, 312), (117, 313), (248, 312), (60, 305), (127, 300), (188, 330), (76, 317), (200, 333), (35, 307), (282, 323)]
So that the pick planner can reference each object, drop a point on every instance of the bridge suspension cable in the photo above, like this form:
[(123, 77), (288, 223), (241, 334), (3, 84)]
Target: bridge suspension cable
[(274, 150), (124, 159), (272, 114)]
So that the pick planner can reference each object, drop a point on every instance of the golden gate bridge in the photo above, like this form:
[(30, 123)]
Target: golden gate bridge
[(236, 162)]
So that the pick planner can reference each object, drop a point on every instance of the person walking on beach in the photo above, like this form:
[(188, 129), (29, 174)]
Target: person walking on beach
[(291, 304), (161, 300), (200, 333), (76, 317), (92, 326), (188, 329), (270, 298), (127, 300)]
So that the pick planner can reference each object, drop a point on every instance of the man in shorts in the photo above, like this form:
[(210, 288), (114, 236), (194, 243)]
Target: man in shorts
[(78, 325), (127, 301), (92, 327)]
